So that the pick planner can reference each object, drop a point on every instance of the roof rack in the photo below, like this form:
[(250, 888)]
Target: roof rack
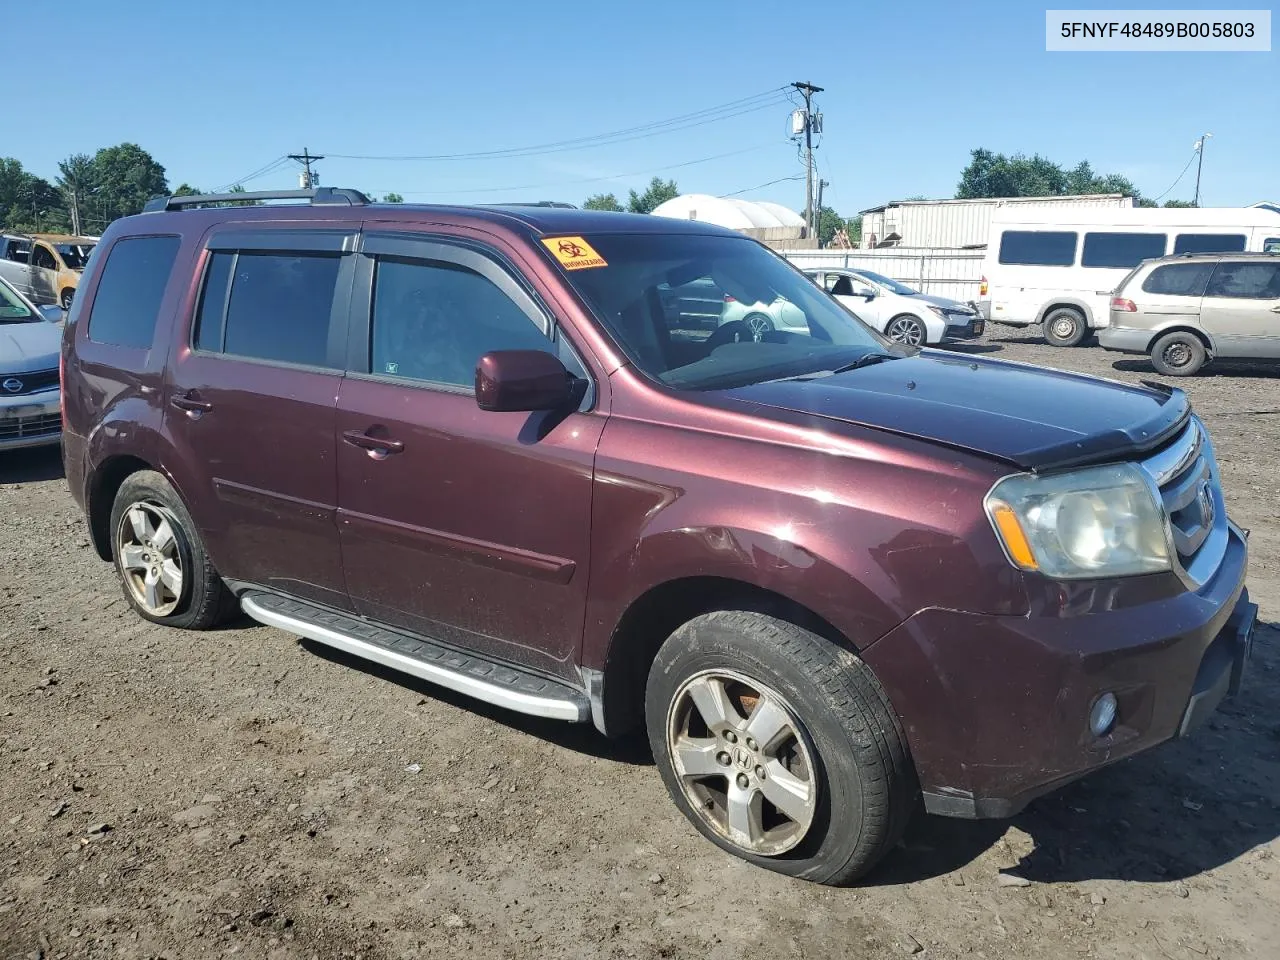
[(320, 196), (533, 203)]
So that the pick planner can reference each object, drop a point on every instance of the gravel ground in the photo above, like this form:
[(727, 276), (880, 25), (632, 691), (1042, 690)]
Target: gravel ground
[(243, 793)]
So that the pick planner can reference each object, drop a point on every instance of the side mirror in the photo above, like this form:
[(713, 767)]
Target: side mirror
[(866, 293), (53, 313), (509, 380)]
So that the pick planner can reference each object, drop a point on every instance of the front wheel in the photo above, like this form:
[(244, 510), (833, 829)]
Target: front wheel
[(906, 329), (66, 298), (758, 324), (1065, 327), (779, 746)]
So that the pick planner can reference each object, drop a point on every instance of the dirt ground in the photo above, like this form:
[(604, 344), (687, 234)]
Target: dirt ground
[(244, 793)]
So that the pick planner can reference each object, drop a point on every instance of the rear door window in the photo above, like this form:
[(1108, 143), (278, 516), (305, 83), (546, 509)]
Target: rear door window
[(269, 306), (1045, 248), (1245, 280), (42, 257), (126, 304), (1178, 279), (1121, 249), (1271, 245), (1209, 243)]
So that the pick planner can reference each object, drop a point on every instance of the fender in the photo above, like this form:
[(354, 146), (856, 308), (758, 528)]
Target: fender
[(1076, 302)]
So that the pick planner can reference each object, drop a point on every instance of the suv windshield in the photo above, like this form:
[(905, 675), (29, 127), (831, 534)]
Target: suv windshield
[(711, 312), (74, 255), (11, 306), (894, 285)]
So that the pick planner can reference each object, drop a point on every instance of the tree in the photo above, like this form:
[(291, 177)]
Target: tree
[(995, 175), (187, 190), (76, 184), (604, 201), (29, 203), (239, 188), (1179, 203), (125, 177), (658, 192), (393, 198), (828, 223)]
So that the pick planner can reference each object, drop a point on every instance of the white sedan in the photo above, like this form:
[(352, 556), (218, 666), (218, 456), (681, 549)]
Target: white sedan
[(896, 310)]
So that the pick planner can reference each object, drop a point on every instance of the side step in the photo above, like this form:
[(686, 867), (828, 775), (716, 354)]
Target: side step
[(495, 683)]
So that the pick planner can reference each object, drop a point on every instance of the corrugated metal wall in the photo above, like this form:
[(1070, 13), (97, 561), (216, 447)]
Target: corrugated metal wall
[(958, 224), (944, 273)]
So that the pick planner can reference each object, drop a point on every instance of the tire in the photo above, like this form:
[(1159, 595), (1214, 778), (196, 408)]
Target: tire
[(65, 300), (1065, 327), (759, 324), (1178, 354), (842, 754), (907, 329), (196, 599)]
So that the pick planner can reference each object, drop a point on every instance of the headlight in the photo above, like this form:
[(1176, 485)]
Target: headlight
[(938, 311), (1097, 522)]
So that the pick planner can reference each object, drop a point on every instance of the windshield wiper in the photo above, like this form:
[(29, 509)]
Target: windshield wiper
[(866, 360)]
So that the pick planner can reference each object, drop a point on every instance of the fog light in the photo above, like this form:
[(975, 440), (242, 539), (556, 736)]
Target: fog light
[(1102, 716)]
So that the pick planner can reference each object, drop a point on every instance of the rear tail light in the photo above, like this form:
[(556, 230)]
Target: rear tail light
[(1123, 305), (982, 287)]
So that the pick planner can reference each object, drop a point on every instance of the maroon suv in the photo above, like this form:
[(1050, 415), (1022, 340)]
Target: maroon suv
[(514, 451)]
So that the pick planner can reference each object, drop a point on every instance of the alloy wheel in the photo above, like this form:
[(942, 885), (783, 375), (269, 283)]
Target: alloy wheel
[(758, 326), (151, 557), (906, 330), (744, 762)]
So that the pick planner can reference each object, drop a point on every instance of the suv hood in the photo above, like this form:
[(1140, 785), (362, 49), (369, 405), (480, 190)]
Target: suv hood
[(1032, 417), (29, 345)]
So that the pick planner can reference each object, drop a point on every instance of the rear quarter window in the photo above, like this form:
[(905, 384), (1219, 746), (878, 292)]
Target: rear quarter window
[(126, 304), (1043, 248), (1178, 279)]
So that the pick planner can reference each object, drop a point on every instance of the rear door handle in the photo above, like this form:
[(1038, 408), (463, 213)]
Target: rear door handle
[(191, 405), (378, 447)]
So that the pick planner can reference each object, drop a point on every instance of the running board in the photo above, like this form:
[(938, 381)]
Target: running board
[(495, 683)]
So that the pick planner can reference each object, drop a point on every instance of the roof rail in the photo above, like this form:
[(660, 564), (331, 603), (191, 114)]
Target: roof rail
[(320, 196), (532, 203)]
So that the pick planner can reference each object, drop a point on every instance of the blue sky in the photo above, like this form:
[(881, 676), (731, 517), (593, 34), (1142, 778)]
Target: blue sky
[(217, 91)]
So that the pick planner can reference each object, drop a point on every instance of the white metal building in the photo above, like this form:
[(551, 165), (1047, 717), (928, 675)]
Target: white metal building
[(955, 223), (760, 219)]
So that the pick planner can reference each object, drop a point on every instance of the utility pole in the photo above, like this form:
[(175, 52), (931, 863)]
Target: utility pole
[(817, 210), (1200, 163), (305, 158), (808, 90), (75, 212)]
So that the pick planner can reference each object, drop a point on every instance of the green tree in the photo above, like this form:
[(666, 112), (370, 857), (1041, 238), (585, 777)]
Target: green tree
[(187, 190), (125, 177), (658, 192), (76, 184), (828, 223), (393, 198), (603, 201), (1178, 203), (28, 202), (239, 188), (995, 175)]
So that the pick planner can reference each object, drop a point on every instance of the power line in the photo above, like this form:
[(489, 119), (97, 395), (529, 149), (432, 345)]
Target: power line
[(759, 186), (261, 171), (571, 183), (1195, 154), (725, 111), (306, 158)]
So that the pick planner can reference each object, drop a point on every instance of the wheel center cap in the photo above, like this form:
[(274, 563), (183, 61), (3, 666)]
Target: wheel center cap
[(742, 758)]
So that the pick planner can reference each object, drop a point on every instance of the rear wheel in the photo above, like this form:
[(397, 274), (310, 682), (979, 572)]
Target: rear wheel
[(759, 325), (779, 746), (1178, 354), (906, 329), (164, 570), (1065, 327)]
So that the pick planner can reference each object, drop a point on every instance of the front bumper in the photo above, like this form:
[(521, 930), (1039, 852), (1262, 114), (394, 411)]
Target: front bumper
[(1124, 339), (30, 420), (996, 708), (966, 331)]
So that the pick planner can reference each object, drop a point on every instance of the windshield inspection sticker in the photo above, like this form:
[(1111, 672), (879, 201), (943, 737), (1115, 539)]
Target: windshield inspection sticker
[(574, 253)]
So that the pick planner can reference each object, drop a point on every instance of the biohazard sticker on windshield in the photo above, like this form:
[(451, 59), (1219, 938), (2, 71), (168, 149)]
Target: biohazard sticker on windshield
[(574, 253)]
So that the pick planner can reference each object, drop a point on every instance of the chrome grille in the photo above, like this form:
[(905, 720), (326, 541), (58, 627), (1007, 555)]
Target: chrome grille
[(1186, 475), (16, 428)]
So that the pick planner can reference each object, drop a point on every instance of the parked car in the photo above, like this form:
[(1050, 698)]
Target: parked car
[(30, 398), (827, 574), (45, 268), (1057, 266), (900, 312), (1188, 310)]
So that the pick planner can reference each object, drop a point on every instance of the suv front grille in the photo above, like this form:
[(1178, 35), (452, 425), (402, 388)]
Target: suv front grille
[(28, 382), (17, 428), (1186, 474)]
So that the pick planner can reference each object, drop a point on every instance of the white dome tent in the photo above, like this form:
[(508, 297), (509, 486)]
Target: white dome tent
[(762, 220)]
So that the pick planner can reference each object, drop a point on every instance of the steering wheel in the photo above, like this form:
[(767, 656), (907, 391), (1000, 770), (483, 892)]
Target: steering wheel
[(735, 331)]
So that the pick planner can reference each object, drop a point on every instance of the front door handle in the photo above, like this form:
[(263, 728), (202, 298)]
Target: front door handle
[(191, 404), (379, 448), (1275, 309)]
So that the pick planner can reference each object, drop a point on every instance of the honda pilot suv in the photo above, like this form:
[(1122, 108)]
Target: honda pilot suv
[(834, 578)]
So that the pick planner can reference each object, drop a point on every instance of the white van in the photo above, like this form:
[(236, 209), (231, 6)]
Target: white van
[(1057, 265)]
